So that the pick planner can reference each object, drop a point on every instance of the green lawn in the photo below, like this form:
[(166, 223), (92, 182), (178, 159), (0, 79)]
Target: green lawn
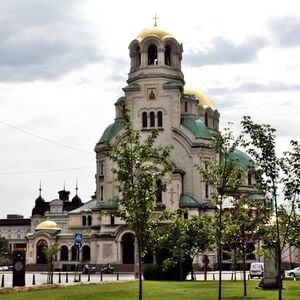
[(154, 290)]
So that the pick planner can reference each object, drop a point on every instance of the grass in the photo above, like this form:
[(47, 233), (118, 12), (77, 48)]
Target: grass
[(154, 290)]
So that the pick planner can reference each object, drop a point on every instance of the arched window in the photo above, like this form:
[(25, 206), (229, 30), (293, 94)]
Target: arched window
[(83, 220), (101, 192), (89, 220), (74, 252), (152, 55), (168, 56), (206, 191), (112, 220), (40, 255), (249, 178), (185, 106), (64, 253), (138, 57), (159, 119), (158, 191), (144, 120), (206, 119), (152, 119), (86, 253)]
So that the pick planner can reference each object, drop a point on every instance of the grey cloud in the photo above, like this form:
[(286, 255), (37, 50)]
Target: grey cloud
[(286, 30), (41, 40), (254, 87), (226, 52)]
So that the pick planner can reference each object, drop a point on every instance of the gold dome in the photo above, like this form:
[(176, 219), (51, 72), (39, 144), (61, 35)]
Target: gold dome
[(204, 101), (154, 32), (47, 225)]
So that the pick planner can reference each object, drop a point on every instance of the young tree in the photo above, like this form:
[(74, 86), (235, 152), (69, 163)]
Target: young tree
[(184, 238), (241, 223), (4, 252), (50, 256), (139, 164), (259, 140), (222, 175)]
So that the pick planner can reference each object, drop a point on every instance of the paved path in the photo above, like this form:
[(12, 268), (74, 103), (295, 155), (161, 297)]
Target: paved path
[(38, 278)]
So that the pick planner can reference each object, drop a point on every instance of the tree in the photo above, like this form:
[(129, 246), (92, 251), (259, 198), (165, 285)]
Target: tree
[(50, 256), (138, 167), (241, 225), (4, 252), (259, 140), (222, 175), (184, 239)]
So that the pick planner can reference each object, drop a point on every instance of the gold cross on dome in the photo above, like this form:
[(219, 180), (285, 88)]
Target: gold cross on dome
[(155, 18)]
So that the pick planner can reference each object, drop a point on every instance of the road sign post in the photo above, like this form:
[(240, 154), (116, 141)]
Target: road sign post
[(77, 245)]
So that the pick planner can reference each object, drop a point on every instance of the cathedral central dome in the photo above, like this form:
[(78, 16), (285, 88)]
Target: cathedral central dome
[(204, 101), (154, 32)]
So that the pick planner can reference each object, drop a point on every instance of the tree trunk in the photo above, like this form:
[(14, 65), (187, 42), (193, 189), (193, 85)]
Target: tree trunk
[(220, 252), (244, 266), (140, 273)]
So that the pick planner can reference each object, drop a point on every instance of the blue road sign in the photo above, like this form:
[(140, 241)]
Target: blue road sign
[(78, 237)]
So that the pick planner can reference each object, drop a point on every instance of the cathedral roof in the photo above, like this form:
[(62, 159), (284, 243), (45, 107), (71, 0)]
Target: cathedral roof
[(244, 160), (85, 207), (188, 201), (197, 127), (154, 32), (48, 225), (110, 132), (204, 100)]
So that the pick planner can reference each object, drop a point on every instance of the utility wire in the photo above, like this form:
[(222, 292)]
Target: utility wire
[(45, 171), (45, 139)]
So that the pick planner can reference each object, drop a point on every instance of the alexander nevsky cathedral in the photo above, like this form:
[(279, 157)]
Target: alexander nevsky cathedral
[(157, 97)]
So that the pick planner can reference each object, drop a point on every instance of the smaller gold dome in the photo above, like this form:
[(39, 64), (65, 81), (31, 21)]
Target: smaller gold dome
[(154, 32), (47, 225), (204, 101)]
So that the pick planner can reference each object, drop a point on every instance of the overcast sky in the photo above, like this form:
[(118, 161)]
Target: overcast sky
[(63, 64)]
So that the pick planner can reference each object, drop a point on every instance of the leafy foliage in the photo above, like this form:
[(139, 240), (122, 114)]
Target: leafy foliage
[(139, 164)]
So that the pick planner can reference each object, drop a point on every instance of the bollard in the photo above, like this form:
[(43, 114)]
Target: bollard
[(213, 276), (248, 277), (89, 277), (79, 277), (2, 281), (67, 277), (33, 279), (59, 278), (117, 276), (231, 276), (101, 276)]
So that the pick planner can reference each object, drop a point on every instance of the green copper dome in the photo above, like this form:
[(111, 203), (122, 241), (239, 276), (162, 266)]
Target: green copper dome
[(188, 201), (243, 159), (197, 127), (110, 132)]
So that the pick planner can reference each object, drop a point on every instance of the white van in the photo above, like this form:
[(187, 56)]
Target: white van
[(256, 270)]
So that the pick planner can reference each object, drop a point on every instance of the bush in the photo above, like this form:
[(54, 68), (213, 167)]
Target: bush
[(153, 272)]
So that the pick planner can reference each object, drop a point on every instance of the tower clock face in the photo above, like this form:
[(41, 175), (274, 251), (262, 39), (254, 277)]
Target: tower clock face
[(18, 266)]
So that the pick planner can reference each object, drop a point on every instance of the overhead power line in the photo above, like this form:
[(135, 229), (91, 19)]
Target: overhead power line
[(45, 139), (44, 171)]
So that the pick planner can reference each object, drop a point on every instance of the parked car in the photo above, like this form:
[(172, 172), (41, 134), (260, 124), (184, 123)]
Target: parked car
[(256, 270), (294, 272)]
